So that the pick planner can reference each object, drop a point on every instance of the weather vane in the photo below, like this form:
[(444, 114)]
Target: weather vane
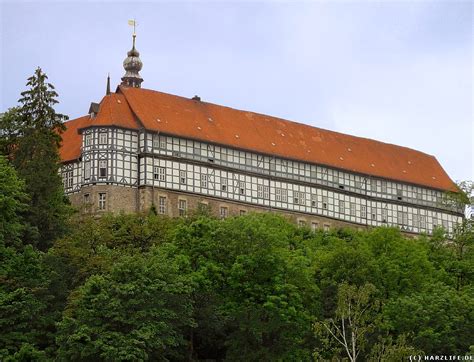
[(134, 24)]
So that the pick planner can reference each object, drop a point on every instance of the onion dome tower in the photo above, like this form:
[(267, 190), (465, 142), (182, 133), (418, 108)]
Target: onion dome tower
[(132, 65)]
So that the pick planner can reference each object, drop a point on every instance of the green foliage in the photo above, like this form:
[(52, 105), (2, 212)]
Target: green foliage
[(440, 319), (144, 287), (31, 141), (355, 317), (134, 312), (13, 204), (26, 313)]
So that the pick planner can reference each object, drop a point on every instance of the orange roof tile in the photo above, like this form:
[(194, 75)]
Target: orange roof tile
[(71, 144), (199, 120)]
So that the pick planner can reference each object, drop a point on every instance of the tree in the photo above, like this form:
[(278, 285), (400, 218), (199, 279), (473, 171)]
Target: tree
[(13, 204), (137, 311), (354, 318), (24, 314), (34, 137), (439, 319), (255, 297)]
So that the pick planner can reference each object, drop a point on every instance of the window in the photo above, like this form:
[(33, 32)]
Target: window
[(102, 138), (224, 212), (182, 207), (87, 170), (281, 194), (182, 177), (159, 142), (159, 173), (326, 227), (402, 218), (445, 224), (299, 198), (384, 215), (162, 205), (203, 181), (102, 200), (399, 194), (373, 185), (87, 199), (263, 192), (88, 140), (197, 150), (353, 208), (242, 212), (384, 187), (325, 202), (341, 207), (103, 168), (314, 226), (301, 223), (70, 179), (363, 211), (314, 201), (416, 220), (223, 184), (242, 187), (422, 222)]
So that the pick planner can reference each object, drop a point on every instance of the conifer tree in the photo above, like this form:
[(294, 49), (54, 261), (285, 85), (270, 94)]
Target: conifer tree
[(37, 129)]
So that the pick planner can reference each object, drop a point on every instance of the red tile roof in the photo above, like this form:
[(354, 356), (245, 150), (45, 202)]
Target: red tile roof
[(174, 115)]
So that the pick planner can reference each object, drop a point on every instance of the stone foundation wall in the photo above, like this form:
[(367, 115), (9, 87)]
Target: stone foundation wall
[(128, 199), (149, 196), (118, 199)]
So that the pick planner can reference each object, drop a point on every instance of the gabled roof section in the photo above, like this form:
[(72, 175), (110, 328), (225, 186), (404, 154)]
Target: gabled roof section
[(274, 136), (113, 110)]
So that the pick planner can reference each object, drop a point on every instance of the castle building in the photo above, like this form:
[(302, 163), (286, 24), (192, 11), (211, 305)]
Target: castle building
[(140, 148)]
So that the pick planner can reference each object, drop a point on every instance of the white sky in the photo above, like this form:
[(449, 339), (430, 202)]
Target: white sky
[(399, 72)]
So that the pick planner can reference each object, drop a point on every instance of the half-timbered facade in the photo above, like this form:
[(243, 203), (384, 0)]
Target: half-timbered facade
[(140, 148)]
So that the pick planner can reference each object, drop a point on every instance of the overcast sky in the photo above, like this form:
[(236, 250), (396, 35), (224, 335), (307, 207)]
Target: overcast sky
[(399, 72)]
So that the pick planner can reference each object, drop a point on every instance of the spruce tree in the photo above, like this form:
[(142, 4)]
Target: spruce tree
[(36, 159)]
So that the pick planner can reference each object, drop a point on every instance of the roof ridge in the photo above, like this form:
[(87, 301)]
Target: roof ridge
[(277, 118)]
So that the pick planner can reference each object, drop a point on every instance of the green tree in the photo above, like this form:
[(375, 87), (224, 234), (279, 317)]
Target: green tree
[(35, 130), (135, 312), (439, 319), (354, 318), (24, 314), (13, 204), (255, 297)]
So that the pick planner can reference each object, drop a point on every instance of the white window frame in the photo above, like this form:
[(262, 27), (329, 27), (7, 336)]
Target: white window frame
[(103, 137), (101, 167), (182, 207), (204, 181), (162, 205), (183, 177), (102, 201), (87, 170), (159, 173), (224, 212)]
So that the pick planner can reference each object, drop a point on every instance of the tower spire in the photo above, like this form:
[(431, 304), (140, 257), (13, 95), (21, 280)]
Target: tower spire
[(132, 64), (107, 91)]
